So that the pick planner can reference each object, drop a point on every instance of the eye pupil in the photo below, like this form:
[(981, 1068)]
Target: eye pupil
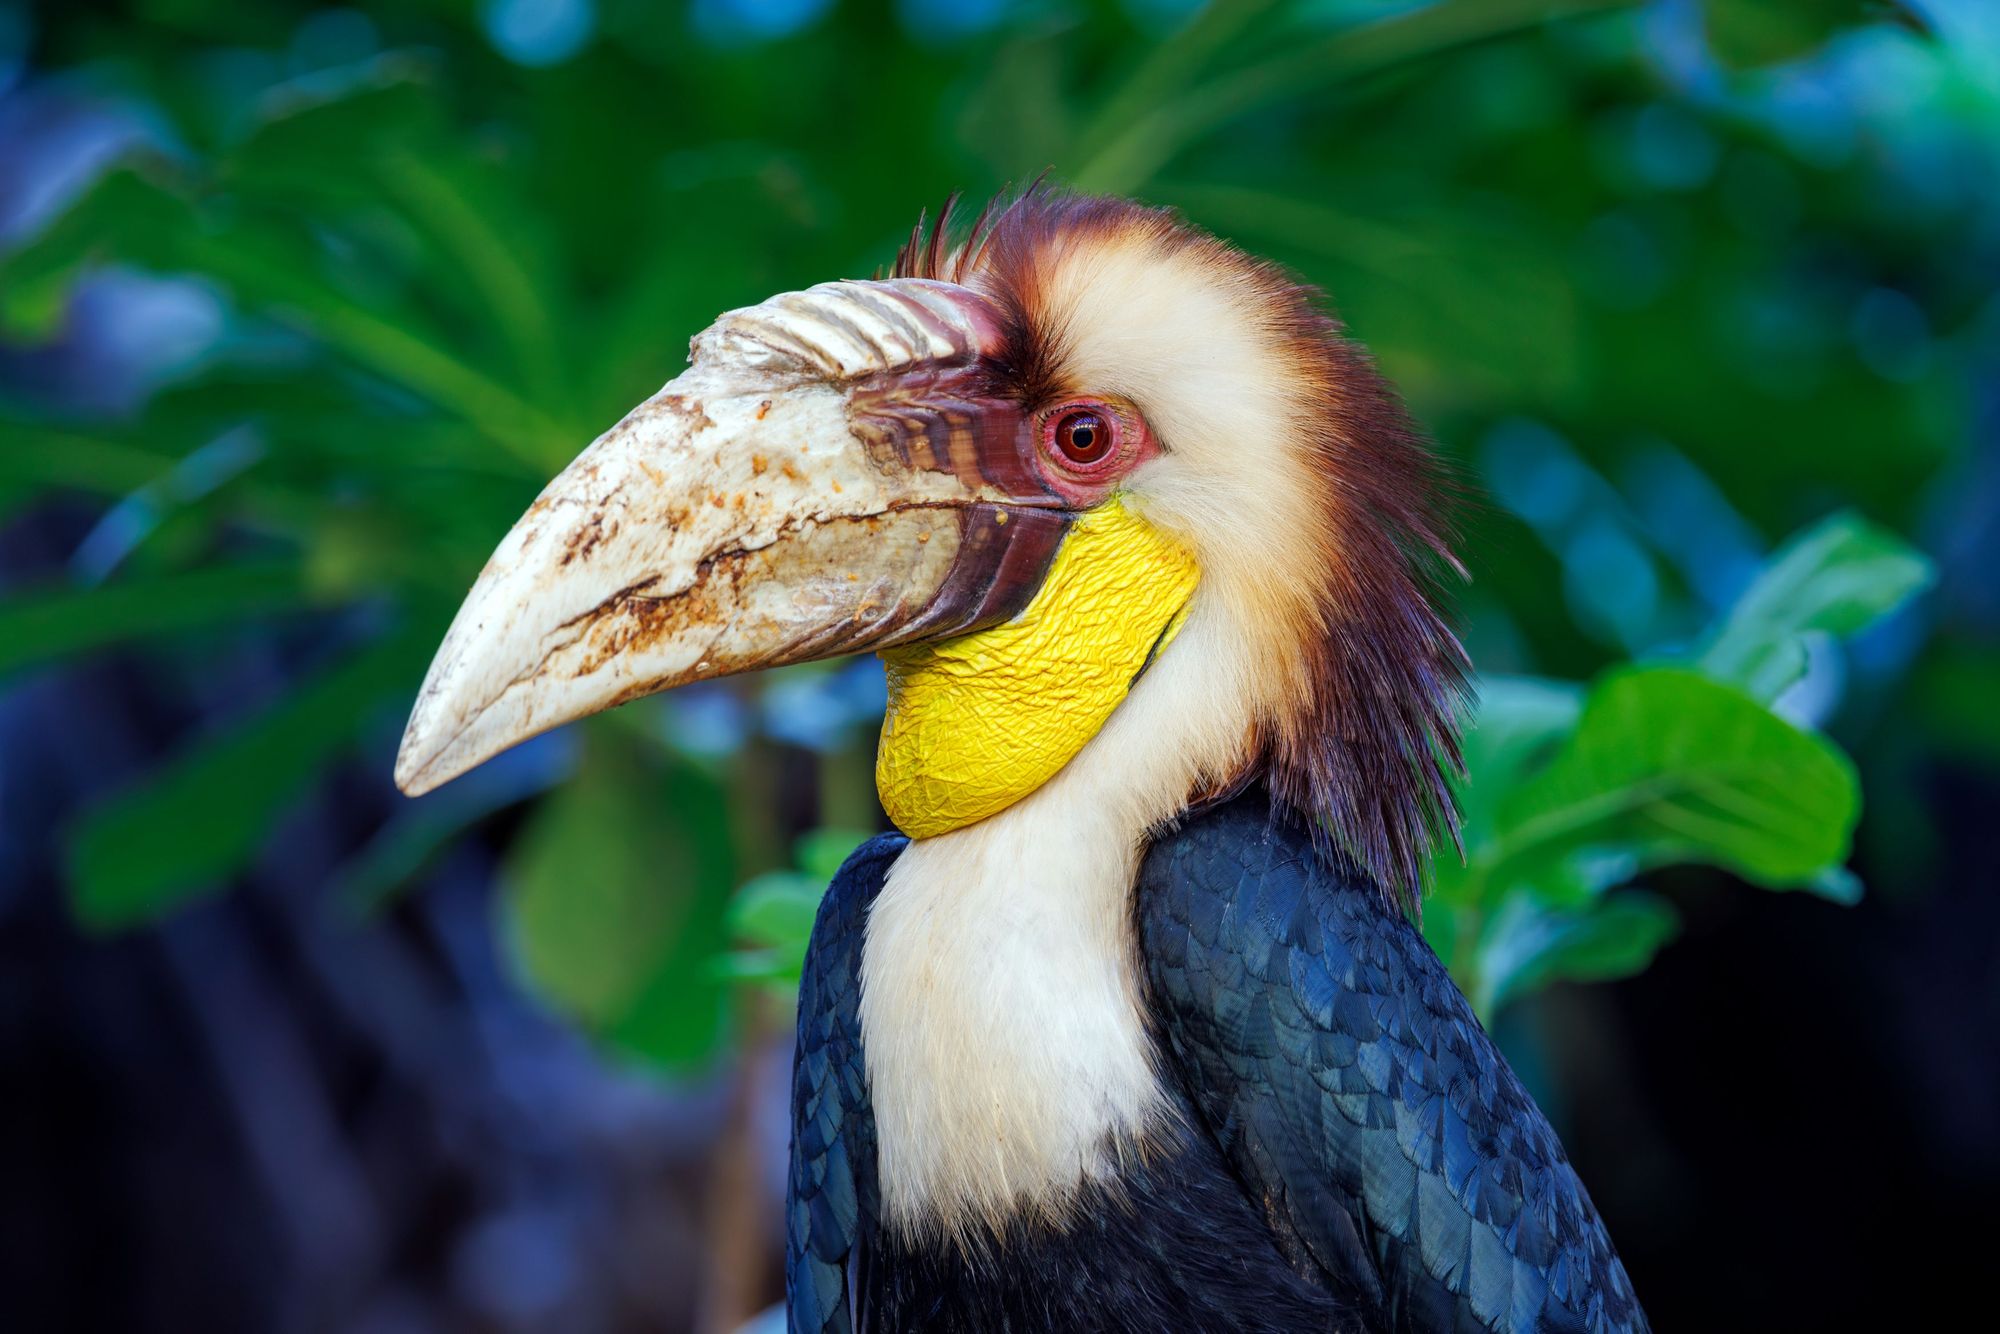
[(1083, 436)]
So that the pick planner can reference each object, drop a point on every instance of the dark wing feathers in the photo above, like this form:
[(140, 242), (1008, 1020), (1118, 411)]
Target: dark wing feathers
[(831, 1202), (1355, 1093), (1324, 1048)]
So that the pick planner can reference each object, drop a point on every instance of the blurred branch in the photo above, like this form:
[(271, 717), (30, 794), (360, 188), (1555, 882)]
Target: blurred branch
[(1130, 160), (847, 787), (738, 1252)]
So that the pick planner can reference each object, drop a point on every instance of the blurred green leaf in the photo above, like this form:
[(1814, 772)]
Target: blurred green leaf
[(116, 219), (1161, 76), (265, 270), (314, 141), (1527, 946), (441, 276), (1568, 796), (777, 908), (271, 265), (1748, 34), (58, 458), (1837, 884), (1678, 768), (1489, 301), (821, 852), (774, 912), (1837, 577), (1517, 723), (615, 899), (41, 625), (774, 968), (1328, 61), (465, 227), (1020, 119), (191, 824)]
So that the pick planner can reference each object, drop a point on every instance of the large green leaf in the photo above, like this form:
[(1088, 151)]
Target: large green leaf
[(1516, 726), (1677, 768), (615, 900), (190, 825), (1838, 577)]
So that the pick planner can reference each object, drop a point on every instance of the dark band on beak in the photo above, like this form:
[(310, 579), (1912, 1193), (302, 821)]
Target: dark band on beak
[(1004, 554)]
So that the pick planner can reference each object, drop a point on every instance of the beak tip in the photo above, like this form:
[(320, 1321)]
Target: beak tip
[(418, 767), (411, 778), (412, 784), (446, 738)]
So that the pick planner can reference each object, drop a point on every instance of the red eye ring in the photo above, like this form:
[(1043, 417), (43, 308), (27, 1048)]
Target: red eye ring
[(1084, 436)]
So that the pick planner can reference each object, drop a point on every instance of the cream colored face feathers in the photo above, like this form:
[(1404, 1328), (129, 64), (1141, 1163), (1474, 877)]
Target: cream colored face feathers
[(1185, 334), (1003, 1019)]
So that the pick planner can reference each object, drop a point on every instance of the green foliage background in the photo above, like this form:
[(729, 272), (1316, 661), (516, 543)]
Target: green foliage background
[(1581, 234)]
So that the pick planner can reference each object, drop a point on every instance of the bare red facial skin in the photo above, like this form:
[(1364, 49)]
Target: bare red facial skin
[(1084, 447), (959, 412)]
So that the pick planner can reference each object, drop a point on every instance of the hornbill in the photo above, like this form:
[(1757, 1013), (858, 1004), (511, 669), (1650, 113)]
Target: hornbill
[(1128, 1028)]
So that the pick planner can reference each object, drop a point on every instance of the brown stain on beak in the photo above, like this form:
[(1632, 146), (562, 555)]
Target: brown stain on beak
[(850, 585), (689, 408), (586, 538)]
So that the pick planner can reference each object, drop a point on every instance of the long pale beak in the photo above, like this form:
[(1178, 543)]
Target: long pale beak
[(824, 479)]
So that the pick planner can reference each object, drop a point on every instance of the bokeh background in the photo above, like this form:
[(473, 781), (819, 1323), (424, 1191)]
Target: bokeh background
[(300, 305)]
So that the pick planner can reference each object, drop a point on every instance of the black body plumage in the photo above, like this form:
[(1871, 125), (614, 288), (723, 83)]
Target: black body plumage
[(1356, 1154)]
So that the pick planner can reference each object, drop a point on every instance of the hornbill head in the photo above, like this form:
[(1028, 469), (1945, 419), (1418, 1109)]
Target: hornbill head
[(1085, 454)]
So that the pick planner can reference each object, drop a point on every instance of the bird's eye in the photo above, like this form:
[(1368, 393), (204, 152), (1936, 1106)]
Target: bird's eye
[(1083, 435)]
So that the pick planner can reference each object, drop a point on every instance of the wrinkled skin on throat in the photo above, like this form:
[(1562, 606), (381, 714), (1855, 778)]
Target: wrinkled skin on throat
[(976, 723)]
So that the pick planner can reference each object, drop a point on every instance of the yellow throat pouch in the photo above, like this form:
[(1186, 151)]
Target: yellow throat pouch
[(978, 722)]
